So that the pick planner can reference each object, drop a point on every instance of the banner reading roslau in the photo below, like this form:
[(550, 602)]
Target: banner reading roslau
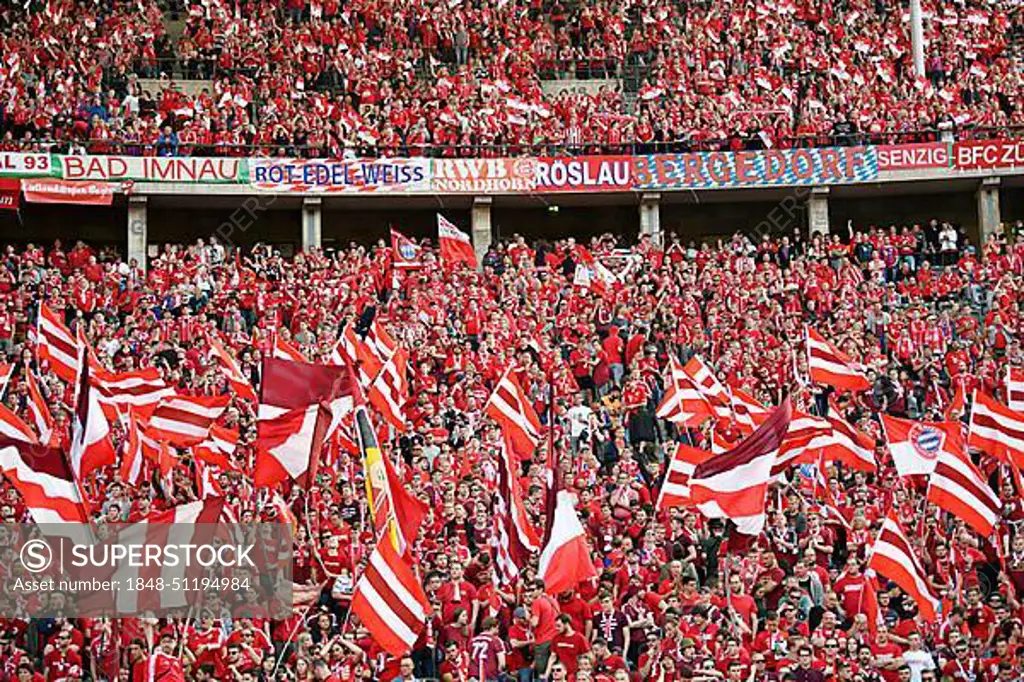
[(772, 167)]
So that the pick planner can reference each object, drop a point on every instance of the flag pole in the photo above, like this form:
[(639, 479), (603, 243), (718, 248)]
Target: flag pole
[(552, 460)]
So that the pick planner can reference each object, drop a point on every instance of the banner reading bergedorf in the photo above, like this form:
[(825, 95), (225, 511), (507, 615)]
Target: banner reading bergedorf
[(702, 170)]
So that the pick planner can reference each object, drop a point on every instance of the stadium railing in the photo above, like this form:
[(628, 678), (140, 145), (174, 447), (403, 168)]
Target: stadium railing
[(751, 143)]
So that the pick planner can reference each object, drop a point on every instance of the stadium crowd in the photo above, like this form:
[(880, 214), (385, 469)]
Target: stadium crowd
[(323, 78), (922, 309)]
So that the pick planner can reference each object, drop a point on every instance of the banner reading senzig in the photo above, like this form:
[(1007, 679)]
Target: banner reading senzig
[(773, 167), (328, 175)]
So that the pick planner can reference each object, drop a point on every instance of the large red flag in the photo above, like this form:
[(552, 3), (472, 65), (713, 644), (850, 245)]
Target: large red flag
[(733, 484), (91, 444), (299, 402), (456, 246), (405, 253), (565, 561)]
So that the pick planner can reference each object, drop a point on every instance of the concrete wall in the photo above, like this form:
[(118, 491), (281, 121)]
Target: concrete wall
[(711, 220), (274, 226), (281, 223), (1012, 204), (567, 221), (366, 227), (42, 223), (957, 207)]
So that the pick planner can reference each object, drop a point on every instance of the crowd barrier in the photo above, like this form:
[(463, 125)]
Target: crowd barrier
[(653, 172)]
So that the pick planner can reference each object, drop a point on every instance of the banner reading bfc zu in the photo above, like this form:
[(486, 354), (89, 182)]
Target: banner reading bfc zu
[(773, 167), (325, 175)]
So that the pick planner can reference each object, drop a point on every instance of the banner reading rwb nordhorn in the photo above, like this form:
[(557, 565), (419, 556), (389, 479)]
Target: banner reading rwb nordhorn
[(772, 167)]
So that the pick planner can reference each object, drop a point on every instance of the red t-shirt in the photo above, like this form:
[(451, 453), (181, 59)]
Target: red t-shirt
[(545, 610), (567, 648)]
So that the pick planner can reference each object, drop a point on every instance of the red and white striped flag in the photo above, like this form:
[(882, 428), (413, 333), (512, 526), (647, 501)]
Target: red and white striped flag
[(703, 377), (455, 244), (232, 372), (355, 353), (140, 447), (390, 390), (849, 446), (12, 426), (194, 523), (45, 481), (805, 437), (56, 345), (957, 486), (390, 601), (996, 430), (733, 485), (185, 420), (1015, 388), (207, 485), (39, 410), (675, 490), (380, 342), (516, 536), (219, 448), (284, 350), (131, 452), (747, 413), (892, 556), (828, 365), (91, 444), (509, 406), (141, 390), (683, 403), (366, 355), (6, 370)]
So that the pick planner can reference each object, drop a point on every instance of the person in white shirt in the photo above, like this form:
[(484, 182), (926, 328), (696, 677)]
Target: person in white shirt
[(579, 422), (916, 657)]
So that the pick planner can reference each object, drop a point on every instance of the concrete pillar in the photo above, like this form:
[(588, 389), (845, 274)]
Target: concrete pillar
[(817, 211), (650, 216), (989, 216), (480, 223), (917, 37), (312, 222), (138, 229)]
